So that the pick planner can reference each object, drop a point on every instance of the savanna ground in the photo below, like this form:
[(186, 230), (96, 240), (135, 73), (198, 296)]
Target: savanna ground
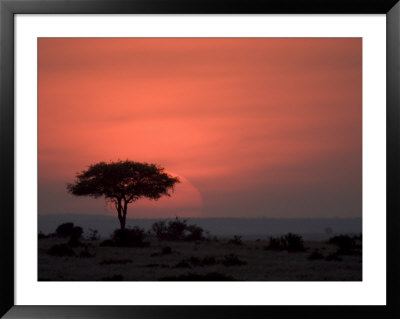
[(209, 259)]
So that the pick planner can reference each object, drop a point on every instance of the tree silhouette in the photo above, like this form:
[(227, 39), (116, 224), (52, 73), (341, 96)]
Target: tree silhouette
[(123, 182)]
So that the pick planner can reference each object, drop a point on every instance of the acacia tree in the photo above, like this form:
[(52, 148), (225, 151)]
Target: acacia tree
[(122, 183)]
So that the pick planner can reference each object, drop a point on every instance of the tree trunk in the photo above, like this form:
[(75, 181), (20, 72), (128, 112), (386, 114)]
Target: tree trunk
[(122, 222), (121, 215), (124, 209)]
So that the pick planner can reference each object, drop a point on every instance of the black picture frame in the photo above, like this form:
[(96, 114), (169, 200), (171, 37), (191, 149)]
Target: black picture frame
[(8, 8)]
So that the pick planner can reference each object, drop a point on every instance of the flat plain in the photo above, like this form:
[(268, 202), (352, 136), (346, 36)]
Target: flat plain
[(214, 259)]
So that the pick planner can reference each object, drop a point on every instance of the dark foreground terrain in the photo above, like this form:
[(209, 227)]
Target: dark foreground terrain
[(219, 259)]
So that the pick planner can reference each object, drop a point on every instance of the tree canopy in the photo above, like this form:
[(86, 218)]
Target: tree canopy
[(123, 182)]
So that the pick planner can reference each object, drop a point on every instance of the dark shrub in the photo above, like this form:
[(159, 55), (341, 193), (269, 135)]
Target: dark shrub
[(177, 230), (160, 229), (345, 244), (315, 255), (274, 244), (68, 229), (129, 237), (237, 240), (293, 242), (194, 233), (214, 276), (232, 260), (74, 241), (93, 234), (61, 250), (42, 236), (290, 242)]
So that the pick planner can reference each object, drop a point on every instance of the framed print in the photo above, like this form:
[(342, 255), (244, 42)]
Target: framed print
[(190, 160)]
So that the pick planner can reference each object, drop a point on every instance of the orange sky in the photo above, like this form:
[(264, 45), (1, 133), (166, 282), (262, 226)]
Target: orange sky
[(254, 127)]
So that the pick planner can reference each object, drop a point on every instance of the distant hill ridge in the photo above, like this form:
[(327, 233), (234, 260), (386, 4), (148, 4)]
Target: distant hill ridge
[(309, 228)]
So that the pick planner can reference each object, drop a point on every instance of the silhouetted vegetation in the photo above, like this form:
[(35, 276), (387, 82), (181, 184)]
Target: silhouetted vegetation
[(214, 276), (122, 183), (274, 244), (290, 242), (93, 234), (194, 233), (177, 230), (129, 237), (180, 260), (61, 250), (68, 229), (42, 236), (346, 244), (74, 241)]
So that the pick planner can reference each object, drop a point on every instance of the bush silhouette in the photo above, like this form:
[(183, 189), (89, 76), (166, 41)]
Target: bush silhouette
[(74, 241), (68, 229), (293, 242), (194, 233), (42, 236), (274, 244), (345, 244), (61, 250), (290, 242), (177, 230), (129, 237), (93, 234)]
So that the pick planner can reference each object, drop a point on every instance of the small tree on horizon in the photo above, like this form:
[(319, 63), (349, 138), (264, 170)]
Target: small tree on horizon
[(122, 183)]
